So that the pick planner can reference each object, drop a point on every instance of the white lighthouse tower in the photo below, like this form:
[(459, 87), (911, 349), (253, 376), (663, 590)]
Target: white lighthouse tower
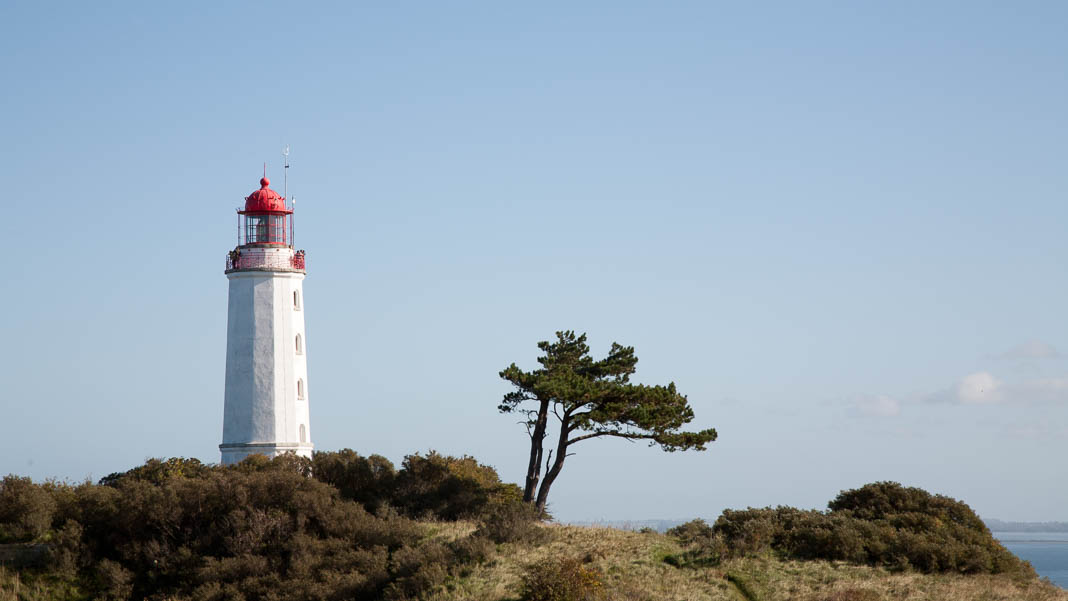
[(266, 399)]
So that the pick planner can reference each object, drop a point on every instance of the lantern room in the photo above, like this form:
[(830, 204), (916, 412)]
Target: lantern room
[(265, 220)]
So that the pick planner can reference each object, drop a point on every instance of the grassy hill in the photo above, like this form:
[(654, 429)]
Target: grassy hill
[(635, 566)]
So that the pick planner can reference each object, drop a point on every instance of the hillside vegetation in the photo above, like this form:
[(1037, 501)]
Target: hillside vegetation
[(342, 526)]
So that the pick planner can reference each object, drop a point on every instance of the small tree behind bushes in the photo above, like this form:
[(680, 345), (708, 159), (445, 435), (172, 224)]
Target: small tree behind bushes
[(883, 524)]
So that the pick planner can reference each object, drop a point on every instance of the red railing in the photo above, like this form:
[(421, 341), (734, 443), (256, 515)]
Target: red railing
[(265, 258)]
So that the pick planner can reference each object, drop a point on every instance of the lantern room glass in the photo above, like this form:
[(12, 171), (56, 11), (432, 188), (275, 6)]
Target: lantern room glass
[(265, 229)]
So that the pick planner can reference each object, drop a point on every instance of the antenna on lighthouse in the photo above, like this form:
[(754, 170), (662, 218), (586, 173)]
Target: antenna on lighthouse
[(285, 190), (285, 195)]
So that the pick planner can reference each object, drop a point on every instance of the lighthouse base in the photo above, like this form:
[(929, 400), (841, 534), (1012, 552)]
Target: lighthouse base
[(235, 452)]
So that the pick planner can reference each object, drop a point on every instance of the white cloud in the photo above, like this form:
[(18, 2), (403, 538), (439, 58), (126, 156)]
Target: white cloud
[(879, 406), (1032, 349), (980, 387)]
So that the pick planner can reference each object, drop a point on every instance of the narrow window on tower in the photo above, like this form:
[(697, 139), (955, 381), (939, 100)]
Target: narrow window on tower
[(300, 345), (303, 433), (300, 389), (296, 300)]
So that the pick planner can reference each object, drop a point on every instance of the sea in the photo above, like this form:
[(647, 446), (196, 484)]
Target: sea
[(1047, 552)]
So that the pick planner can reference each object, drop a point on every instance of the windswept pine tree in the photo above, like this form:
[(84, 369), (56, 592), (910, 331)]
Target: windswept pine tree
[(592, 399)]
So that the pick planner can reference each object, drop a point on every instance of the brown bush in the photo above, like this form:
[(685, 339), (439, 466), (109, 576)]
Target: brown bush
[(512, 522), (474, 549), (561, 579)]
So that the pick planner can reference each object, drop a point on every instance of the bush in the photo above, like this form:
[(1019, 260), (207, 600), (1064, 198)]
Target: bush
[(332, 527), (26, 510), (879, 524), (701, 546), (158, 471), (178, 528), (474, 549), (691, 531), (512, 522), (561, 579), (448, 488), (433, 486), (370, 481)]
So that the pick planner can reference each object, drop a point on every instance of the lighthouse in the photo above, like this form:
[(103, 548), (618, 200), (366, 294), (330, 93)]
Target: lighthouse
[(266, 396)]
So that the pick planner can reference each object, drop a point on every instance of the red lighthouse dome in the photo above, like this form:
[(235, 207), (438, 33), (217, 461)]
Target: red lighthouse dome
[(265, 220), (265, 200)]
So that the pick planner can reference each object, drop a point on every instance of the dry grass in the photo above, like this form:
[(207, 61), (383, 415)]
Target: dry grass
[(450, 531), (635, 570)]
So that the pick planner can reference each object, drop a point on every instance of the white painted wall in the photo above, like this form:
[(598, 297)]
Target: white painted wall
[(261, 411)]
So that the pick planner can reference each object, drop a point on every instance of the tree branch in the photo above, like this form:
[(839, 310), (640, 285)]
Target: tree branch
[(630, 437)]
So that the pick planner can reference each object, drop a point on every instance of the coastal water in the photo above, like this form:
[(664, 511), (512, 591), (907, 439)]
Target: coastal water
[(1047, 552)]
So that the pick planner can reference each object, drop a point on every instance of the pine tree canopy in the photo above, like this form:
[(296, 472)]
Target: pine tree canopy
[(594, 398)]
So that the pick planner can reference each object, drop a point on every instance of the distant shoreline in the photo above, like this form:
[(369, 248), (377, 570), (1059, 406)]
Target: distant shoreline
[(1002, 526)]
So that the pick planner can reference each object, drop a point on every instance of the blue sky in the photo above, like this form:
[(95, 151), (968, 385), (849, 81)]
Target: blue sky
[(838, 228)]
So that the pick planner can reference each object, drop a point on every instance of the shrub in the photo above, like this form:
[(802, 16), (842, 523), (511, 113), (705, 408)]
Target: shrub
[(701, 545), (691, 531), (370, 481), (114, 580), (180, 529), (879, 524), (474, 549), (512, 522), (418, 569), (26, 510), (242, 532), (561, 579), (447, 488), (433, 486), (158, 471)]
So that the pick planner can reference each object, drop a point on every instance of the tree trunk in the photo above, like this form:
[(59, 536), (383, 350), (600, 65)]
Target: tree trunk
[(561, 455), (537, 437)]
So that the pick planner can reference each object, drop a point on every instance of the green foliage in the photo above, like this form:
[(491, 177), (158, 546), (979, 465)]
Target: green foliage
[(257, 530), (691, 532), (433, 486), (701, 545), (25, 510), (370, 481), (599, 398), (448, 488), (592, 398), (883, 524), (561, 579), (158, 471)]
